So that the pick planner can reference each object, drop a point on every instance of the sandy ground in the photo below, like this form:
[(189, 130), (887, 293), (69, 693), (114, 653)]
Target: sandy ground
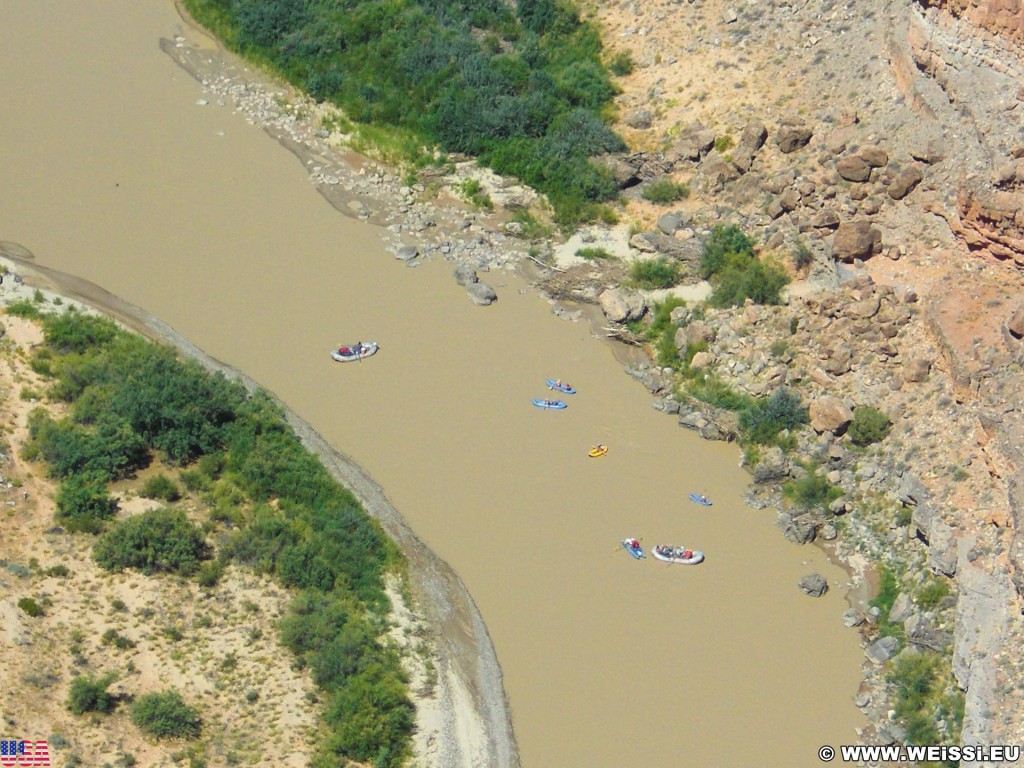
[(255, 707)]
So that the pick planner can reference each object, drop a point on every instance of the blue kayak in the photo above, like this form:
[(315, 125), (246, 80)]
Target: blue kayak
[(700, 499), (561, 386), (556, 405), (632, 546)]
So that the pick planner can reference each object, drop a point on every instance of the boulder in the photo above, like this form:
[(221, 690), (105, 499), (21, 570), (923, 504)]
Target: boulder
[(829, 414), (864, 309), (881, 650), (670, 223), (624, 174), (465, 275), (856, 240), (799, 530), (853, 168), (621, 305), (754, 135), (702, 360), (642, 243), (905, 181), (697, 332), (407, 253), (481, 294), (814, 585), (826, 218), (790, 138), (1016, 324), (774, 465), (917, 369), (640, 119), (876, 157), (901, 609)]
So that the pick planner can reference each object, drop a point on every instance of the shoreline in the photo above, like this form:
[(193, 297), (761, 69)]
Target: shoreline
[(469, 709)]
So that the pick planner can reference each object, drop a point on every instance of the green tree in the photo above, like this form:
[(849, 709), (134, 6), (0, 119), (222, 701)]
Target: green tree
[(762, 421), (83, 504), (165, 715), (158, 540), (869, 425), (90, 694)]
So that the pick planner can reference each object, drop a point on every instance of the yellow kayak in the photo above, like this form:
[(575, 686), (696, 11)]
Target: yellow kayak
[(599, 450)]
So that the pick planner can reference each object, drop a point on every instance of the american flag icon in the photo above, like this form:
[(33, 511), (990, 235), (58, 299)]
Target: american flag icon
[(17, 753)]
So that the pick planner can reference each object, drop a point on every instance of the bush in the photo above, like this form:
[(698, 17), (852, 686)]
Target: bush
[(655, 273), (763, 420), (83, 504), (165, 715), (664, 191), (869, 425), (802, 256), (621, 63), (160, 487), (721, 243), (30, 606), (158, 540), (811, 492), (723, 143), (748, 278), (590, 254), (89, 694)]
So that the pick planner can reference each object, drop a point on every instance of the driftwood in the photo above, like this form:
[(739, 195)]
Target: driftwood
[(546, 266)]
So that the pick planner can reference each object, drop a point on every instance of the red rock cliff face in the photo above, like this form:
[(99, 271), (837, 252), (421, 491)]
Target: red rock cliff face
[(1004, 18)]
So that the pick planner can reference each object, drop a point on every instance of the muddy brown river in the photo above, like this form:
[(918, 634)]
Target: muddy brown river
[(112, 171)]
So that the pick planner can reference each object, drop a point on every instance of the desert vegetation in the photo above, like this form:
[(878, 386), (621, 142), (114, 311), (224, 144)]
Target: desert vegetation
[(523, 86), (257, 501)]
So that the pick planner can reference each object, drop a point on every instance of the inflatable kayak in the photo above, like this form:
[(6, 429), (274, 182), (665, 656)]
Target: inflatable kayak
[(598, 450), (632, 546), (561, 386), (700, 498), (556, 405), (357, 351), (679, 555)]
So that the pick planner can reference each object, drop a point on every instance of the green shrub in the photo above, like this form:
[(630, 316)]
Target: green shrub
[(811, 492), (713, 391), (210, 573), (90, 694), (24, 308), (924, 697), (83, 504), (621, 63), (888, 591), (723, 143), (655, 273), (722, 242), (748, 278), (158, 540), (802, 256), (75, 332), (664, 191), (533, 228), (165, 715), (765, 418), (30, 606), (869, 425), (590, 254), (116, 639), (60, 570), (160, 487), (930, 594)]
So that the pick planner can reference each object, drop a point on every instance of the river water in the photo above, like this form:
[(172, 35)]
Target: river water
[(112, 171)]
